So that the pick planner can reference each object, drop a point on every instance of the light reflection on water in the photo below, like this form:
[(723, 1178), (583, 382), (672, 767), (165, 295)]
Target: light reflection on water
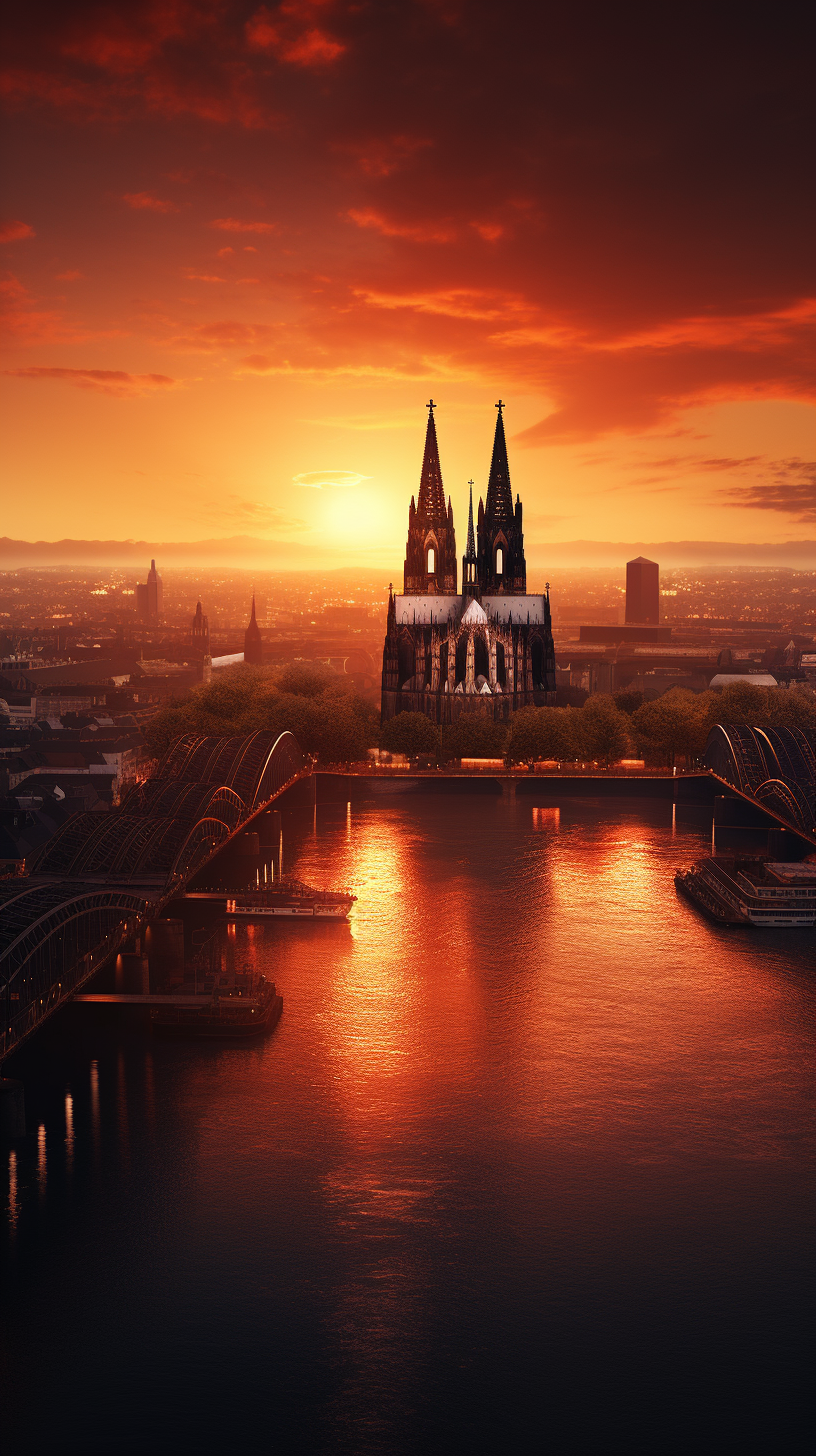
[(530, 1137)]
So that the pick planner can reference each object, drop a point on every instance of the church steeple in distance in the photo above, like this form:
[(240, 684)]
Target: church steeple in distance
[(253, 643)]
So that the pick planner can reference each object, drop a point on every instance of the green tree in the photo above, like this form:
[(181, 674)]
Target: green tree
[(307, 679), (675, 723), (170, 723), (410, 733), (540, 733), (792, 708), (628, 700), (605, 728), (321, 708), (474, 735)]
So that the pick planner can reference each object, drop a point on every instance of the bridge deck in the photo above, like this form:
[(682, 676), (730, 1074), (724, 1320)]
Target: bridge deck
[(146, 1000)]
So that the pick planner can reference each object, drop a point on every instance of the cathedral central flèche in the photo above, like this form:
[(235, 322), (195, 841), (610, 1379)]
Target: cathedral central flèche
[(488, 648)]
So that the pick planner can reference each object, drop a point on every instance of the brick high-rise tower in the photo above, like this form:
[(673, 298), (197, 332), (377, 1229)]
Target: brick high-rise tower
[(643, 591)]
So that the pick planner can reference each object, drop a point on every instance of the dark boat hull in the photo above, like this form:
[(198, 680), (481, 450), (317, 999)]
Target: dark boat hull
[(688, 887), (208, 1026)]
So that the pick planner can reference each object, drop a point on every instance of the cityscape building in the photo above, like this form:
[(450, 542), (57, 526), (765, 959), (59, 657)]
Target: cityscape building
[(253, 643), (200, 631), (488, 649), (643, 591), (149, 597)]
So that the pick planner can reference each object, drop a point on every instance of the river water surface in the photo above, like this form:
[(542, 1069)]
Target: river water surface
[(526, 1164)]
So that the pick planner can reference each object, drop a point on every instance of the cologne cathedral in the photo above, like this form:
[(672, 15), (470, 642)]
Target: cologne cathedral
[(487, 649)]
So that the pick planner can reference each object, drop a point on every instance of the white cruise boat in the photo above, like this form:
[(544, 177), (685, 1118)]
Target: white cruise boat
[(760, 892)]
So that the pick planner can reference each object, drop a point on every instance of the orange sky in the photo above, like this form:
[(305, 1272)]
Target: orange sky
[(243, 245)]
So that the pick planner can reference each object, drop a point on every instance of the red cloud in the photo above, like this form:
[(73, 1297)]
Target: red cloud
[(22, 320), (69, 276), (626, 284), (106, 381), (236, 225), (292, 36), (490, 231), (382, 156), (145, 202), (14, 232), (421, 232)]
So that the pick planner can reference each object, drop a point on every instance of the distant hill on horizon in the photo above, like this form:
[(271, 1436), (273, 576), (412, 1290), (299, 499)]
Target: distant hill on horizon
[(251, 551)]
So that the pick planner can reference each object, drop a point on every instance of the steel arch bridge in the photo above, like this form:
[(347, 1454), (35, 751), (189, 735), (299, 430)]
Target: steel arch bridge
[(776, 766), (102, 876), (53, 937)]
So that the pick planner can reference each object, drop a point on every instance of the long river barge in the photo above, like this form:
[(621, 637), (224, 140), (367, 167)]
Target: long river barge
[(241, 1005), (751, 891)]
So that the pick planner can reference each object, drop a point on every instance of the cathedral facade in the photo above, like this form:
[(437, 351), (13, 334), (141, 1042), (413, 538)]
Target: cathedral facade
[(488, 648)]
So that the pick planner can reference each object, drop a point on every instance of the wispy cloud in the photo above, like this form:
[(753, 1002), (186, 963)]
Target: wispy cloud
[(146, 202), (240, 225), (232, 511), (104, 381), (416, 232), (787, 486), (292, 34), (317, 479), (14, 231)]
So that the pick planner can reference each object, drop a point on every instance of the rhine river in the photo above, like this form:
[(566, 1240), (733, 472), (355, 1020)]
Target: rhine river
[(527, 1164)]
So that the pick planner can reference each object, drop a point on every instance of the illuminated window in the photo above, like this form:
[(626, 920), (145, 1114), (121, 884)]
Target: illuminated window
[(499, 561), (431, 561)]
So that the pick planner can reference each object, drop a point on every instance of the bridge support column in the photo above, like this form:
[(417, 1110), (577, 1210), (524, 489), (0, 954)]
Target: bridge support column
[(508, 788)]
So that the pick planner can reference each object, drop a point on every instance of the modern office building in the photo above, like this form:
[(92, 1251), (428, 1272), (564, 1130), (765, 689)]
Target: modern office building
[(643, 591)]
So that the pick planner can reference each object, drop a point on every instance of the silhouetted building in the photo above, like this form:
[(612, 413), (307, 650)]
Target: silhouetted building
[(500, 540), (643, 591), (200, 634), (149, 595), (489, 650), (253, 645), (200, 642)]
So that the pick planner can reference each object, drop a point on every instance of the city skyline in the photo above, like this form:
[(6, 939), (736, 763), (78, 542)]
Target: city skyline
[(244, 244)]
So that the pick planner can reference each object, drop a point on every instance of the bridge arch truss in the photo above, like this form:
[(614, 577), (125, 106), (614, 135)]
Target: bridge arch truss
[(102, 875)]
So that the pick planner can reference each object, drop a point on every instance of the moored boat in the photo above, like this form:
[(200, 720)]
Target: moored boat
[(752, 891), (290, 899), (240, 1006)]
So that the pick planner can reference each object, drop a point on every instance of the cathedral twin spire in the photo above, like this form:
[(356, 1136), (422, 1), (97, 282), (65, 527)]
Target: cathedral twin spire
[(431, 491), (499, 504), (494, 558)]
